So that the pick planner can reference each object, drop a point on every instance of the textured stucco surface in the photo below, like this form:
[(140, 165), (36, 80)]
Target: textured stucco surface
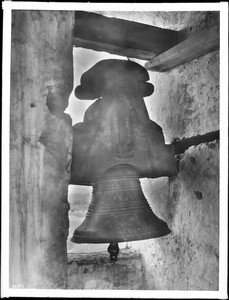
[(96, 271), (40, 147), (187, 259), (186, 100)]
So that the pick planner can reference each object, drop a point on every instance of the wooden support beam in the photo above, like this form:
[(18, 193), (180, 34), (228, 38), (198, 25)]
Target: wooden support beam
[(121, 37), (194, 47), (180, 146)]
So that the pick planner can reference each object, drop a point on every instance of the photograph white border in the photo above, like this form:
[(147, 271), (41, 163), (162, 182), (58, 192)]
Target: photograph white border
[(8, 6)]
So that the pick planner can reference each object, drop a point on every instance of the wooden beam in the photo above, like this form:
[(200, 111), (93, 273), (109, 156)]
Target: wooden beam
[(112, 49), (121, 37), (180, 146), (194, 47)]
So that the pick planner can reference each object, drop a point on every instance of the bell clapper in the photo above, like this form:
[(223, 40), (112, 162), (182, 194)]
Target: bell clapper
[(113, 249)]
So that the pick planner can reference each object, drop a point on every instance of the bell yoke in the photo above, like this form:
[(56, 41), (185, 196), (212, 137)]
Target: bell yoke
[(115, 146)]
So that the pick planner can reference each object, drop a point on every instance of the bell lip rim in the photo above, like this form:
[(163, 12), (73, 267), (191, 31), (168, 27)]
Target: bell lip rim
[(108, 239)]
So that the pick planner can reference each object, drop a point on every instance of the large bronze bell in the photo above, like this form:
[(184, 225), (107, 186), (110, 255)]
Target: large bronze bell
[(115, 146)]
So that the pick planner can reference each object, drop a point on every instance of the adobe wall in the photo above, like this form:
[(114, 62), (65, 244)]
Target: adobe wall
[(40, 147)]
